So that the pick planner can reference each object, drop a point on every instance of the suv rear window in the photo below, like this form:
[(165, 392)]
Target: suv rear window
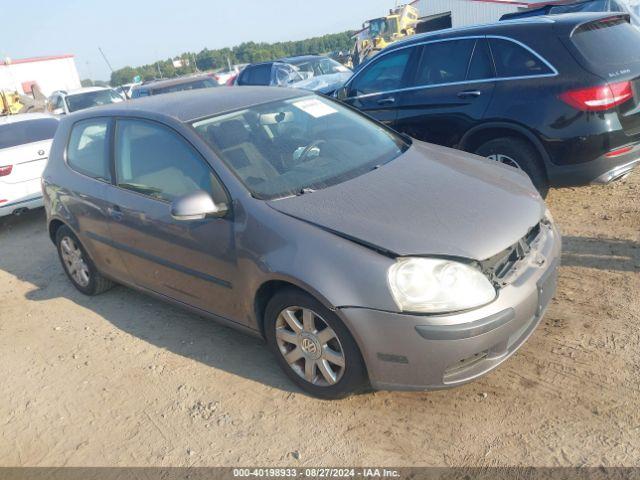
[(29, 131), (611, 42), (258, 75), (513, 60)]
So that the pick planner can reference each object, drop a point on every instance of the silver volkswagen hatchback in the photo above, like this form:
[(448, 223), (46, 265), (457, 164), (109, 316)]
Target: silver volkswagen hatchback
[(364, 258)]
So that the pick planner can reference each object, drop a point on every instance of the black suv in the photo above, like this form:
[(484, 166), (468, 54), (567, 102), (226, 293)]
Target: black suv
[(558, 96)]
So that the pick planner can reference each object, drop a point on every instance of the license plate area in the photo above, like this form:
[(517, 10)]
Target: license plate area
[(547, 288)]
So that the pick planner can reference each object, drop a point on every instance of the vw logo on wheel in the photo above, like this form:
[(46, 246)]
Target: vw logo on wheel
[(309, 346)]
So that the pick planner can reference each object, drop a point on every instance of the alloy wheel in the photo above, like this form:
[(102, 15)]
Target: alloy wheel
[(310, 346), (74, 261), (505, 159)]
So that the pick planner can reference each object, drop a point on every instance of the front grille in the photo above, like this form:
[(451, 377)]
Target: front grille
[(500, 265)]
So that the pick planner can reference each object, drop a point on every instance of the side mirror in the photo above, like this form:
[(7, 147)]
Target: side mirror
[(197, 206), (58, 111), (341, 93)]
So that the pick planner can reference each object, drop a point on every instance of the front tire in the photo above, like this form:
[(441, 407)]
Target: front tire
[(519, 154), (313, 346), (78, 266)]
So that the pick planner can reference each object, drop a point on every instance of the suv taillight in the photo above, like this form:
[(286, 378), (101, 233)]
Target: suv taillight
[(6, 170), (598, 99)]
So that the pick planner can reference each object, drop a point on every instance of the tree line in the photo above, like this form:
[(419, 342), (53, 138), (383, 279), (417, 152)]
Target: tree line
[(247, 52)]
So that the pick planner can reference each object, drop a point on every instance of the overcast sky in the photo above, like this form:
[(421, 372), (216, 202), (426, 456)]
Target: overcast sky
[(134, 32)]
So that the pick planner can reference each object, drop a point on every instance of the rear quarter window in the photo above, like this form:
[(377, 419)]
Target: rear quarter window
[(514, 60), (30, 131), (88, 149)]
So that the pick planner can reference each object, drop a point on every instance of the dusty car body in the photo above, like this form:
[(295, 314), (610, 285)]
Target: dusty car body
[(328, 270)]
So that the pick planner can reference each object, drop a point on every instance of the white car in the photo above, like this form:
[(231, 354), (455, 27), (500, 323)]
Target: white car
[(65, 102), (25, 140)]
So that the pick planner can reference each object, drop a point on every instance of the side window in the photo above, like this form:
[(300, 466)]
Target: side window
[(383, 75), (481, 66), (444, 62), (155, 161), (512, 60), (88, 149)]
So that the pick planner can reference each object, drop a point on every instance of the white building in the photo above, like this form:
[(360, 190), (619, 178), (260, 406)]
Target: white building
[(49, 73), (474, 12)]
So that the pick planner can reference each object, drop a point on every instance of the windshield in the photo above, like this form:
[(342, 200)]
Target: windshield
[(378, 27), (320, 66), (296, 146), (20, 133), (194, 85), (80, 101)]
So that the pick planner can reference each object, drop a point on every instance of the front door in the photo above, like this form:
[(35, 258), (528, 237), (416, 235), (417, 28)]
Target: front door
[(375, 90), (189, 261), (450, 92)]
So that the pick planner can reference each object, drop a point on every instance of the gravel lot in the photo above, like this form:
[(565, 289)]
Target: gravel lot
[(125, 380)]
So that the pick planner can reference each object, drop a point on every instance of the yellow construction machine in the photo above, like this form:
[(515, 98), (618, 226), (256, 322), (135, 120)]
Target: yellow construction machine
[(10, 103), (377, 33)]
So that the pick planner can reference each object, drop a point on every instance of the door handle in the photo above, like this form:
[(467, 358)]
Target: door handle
[(115, 213), (387, 101), (470, 93)]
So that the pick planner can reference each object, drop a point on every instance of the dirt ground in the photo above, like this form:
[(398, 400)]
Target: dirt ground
[(125, 380)]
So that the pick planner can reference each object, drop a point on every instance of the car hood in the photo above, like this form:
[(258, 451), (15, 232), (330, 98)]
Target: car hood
[(324, 83), (429, 201)]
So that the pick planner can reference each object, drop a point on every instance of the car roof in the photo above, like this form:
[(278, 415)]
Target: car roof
[(190, 105), (301, 58), (566, 22), (172, 81), (23, 117), (84, 90)]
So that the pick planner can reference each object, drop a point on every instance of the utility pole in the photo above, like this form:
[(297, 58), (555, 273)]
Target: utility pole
[(105, 59)]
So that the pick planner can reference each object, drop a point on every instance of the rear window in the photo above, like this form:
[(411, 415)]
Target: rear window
[(19, 133), (612, 42), (258, 75), (194, 85)]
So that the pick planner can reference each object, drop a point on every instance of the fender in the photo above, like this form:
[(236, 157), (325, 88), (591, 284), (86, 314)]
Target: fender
[(507, 126)]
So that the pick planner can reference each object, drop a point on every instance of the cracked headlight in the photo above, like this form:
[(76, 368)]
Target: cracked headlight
[(431, 285)]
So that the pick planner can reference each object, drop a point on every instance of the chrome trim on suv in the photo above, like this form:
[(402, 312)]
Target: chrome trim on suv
[(465, 82)]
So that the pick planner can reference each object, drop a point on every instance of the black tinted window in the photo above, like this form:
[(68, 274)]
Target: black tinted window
[(256, 75), (513, 60), (19, 133), (481, 65), (611, 42), (155, 161), (88, 149), (382, 75), (444, 62)]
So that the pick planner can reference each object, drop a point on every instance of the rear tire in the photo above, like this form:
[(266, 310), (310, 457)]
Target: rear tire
[(78, 266), (519, 154), (319, 355)]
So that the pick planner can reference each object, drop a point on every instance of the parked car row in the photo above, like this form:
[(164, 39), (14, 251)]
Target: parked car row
[(342, 229), (310, 72)]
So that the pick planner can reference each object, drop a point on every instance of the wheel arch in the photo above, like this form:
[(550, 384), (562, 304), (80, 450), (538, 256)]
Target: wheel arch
[(475, 137), (54, 226), (269, 288)]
